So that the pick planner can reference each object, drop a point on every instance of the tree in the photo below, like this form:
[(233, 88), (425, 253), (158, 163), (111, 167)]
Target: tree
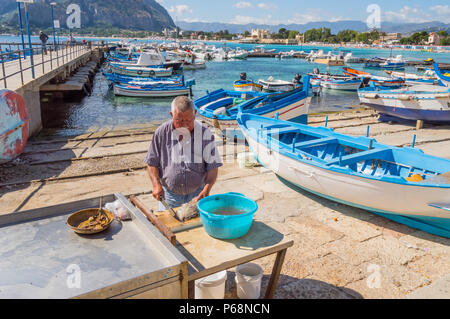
[(292, 34), (246, 34)]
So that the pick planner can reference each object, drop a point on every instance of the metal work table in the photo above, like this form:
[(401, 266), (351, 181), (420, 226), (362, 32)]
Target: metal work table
[(41, 257)]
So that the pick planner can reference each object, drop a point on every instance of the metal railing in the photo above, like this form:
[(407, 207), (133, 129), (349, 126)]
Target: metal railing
[(21, 61)]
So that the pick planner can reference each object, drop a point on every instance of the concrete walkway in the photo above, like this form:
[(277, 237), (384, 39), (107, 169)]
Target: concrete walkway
[(52, 61), (339, 251)]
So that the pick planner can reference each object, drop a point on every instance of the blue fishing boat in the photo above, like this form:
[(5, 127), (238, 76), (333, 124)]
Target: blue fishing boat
[(402, 184), (219, 108), (159, 88), (444, 76)]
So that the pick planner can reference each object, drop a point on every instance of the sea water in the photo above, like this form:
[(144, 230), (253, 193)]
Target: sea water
[(103, 110)]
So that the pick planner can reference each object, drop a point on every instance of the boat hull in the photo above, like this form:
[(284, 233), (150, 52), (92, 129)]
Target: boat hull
[(295, 112), (150, 93), (426, 109), (14, 125), (372, 195)]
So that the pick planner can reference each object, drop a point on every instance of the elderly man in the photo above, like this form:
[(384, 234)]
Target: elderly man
[(182, 160)]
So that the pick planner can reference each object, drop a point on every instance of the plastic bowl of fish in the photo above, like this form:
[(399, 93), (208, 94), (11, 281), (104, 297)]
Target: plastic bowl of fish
[(90, 221), (227, 216)]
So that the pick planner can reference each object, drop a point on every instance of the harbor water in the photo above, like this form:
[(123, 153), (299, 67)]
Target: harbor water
[(103, 110)]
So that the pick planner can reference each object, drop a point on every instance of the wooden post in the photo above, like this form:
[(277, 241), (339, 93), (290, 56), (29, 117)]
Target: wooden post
[(275, 274), (419, 124), (154, 220)]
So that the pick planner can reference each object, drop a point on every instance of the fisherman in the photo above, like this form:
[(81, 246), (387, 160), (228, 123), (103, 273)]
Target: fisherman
[(43, 37), (182, 161)]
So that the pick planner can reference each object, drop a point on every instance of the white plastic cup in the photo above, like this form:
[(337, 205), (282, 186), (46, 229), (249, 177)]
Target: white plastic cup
[(248, 281), (211, 287)]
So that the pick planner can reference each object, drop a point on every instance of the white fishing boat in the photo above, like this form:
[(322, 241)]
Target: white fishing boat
[(272, 85), (349, 58), (136, 71), (429, 103)]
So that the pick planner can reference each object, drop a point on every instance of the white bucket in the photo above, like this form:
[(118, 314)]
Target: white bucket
[(211, 287), (248, 281), (246, 159)]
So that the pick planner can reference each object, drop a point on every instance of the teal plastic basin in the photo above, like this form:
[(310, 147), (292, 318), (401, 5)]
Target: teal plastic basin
[(227, 226)]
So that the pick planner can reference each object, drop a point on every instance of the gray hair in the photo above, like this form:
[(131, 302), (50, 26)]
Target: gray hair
[(182, 103)]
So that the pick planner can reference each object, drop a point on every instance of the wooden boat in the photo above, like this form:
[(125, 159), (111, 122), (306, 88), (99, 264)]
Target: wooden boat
[(246, 85), (272, 85), (429, 103), (219, 108), (330, 61), (412, 79), (139, 71), (138, 90), (444, 78), (337, 82), (377, 80), (402, 184), (14, 125)]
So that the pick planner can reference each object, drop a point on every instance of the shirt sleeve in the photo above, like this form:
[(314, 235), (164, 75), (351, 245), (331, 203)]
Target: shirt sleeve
[(153, 157)]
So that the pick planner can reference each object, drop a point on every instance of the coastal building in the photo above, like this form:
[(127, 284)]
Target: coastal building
[(390, 37), (434, 38), (260, 34)]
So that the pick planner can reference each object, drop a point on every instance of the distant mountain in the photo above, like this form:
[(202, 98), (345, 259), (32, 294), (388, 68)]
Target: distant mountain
[(146, 15), (335, 27)]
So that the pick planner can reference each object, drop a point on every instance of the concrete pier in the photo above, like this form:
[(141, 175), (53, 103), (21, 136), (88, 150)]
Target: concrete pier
[(56, 66)]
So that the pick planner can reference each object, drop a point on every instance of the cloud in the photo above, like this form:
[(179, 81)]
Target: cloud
[(442, 13), (180, 9), (268, 20), (267, 6), (243, 5), (406, 14), (312, 15)]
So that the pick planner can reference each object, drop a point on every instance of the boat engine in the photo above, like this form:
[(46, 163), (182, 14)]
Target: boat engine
[(297, 78), (243, 76)]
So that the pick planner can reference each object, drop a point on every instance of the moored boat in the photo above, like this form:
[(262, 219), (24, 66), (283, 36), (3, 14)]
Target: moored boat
[(377, 80), (402, 184), (139, 71), (154, 90), (337, 82), (246, 85), (444, 77)]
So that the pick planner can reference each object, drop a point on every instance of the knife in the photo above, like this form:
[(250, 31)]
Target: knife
[(168, 207)]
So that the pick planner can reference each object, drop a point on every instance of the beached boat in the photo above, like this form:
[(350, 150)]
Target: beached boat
[(429, 103), (413, 79), (377, 80), (402, 184), (14, 125), (444, 76), (153, 89), (219, 108)]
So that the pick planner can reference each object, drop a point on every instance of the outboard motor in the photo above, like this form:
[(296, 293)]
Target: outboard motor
[(243, 76), (297, 78), (316, 71)]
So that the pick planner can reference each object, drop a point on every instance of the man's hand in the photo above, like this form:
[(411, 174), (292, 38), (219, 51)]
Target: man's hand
[(158, 192), (203, 194)]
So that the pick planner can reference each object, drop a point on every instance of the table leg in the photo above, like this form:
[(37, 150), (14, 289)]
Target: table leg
[(275, 274)]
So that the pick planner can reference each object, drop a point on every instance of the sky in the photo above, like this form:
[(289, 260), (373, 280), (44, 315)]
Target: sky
[(301, 11)]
